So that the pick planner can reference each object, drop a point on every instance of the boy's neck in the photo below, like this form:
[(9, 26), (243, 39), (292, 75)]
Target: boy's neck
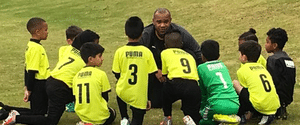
[(133, 40), (277, 50), (35, 37)]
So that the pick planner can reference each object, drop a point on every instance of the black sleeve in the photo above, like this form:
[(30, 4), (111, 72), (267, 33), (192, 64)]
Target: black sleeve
[(105, 95), (30, 79), (117, 75)]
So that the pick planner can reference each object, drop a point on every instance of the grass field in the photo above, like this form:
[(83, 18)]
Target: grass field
[(221, 20)]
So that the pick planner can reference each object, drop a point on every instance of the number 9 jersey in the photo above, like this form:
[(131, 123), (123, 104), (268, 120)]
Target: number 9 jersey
[(261, 88), (178, 64), (134, 62)]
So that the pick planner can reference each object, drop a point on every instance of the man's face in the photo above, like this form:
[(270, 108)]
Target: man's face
[(162, 22)]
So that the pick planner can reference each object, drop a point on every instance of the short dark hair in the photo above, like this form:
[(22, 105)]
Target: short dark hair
[(278, 36), (162, 11), (173, 40), (251, 49), (134, 27), (72, 32), (210, 50), (34, 23), (90, 49), (249, 35), (84, 37)]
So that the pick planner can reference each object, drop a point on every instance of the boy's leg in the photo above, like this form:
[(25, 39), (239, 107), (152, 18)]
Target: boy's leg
[(59, 94), (191, 100), (39, 98), (112, 116), (207, 116), (122, 108), (137, 116), (168, 98)]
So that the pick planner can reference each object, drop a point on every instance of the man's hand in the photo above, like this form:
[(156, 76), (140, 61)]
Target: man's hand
[(160, 77), (26, 95)]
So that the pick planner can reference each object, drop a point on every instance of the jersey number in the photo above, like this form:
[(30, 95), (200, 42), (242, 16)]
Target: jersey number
[(185, 63), (87, 85), (71, 60), (222, 79), (134, 68), (266, 83)]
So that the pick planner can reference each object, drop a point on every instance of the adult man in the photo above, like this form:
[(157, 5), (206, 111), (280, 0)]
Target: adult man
[(153, 38)]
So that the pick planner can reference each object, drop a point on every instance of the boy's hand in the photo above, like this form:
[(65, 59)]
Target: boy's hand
[(148, 105), (160, 77), (26, 95)]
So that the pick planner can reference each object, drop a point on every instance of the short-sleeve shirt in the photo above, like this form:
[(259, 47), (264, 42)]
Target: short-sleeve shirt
[(261, 88), (216, 84), (68, 66), (88, 85), (134, 62), (62, 50), (36, 59), (177, 63)]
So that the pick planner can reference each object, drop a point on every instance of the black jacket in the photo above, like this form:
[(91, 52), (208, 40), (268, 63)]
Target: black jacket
[(150, 40)]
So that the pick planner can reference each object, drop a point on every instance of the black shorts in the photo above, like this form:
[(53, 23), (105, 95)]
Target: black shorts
[(245, 104)]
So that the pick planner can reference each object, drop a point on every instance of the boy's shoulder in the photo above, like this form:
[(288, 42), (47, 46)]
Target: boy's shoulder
[(279, 55)]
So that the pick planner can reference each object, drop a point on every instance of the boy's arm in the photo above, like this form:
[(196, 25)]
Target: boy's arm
[(105, 95), (203, 94), (29, 84)]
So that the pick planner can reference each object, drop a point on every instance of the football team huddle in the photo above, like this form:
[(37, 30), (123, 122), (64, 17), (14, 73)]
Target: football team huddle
[(161, 64)]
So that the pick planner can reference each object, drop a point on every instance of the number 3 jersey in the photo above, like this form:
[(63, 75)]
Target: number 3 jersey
[(134, 62), (261, 88), (88, 85), (178, 64)]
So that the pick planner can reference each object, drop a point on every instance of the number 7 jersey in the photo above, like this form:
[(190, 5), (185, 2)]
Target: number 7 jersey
[(261, 88), (134, 62)]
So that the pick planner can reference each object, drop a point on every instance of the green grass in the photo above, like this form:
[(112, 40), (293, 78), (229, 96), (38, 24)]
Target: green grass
[(221, 20)]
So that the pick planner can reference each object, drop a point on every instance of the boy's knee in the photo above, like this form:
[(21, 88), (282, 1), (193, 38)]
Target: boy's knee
[(237, 86)]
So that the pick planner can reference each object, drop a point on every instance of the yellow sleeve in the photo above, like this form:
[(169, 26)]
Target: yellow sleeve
[(33, 59), (116, 65), (105, 83), (164, 65), (151, 63), (241, 78)]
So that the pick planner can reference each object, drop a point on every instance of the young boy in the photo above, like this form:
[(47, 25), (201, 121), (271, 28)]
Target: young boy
[(255, 87), (218, 94), (181, 70), (250, 35), (132, 64), (281, 68), (36, 67), (71, 33), (87, 84), (59, 84)]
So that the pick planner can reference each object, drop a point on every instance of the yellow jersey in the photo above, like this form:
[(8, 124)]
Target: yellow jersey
[(134, 62), (36, 59), (261, 88), (62, 50), (88, 85), (68, 66), (177, 63)]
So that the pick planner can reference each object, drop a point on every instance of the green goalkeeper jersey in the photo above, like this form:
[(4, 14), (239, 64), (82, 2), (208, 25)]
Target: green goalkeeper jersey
[(216, 84)]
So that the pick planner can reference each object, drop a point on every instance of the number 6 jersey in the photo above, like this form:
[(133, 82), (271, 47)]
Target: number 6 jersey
[(261, 88), (134, 62)]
